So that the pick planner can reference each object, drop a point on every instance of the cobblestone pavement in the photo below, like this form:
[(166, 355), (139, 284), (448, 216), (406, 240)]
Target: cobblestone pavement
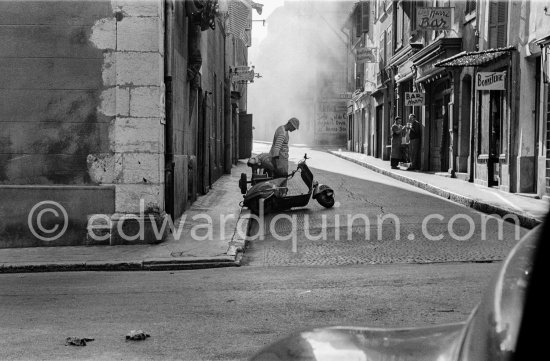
[(324, 237)]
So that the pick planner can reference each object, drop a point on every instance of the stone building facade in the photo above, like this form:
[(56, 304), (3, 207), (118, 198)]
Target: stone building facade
[(113, 108), (493, 137)]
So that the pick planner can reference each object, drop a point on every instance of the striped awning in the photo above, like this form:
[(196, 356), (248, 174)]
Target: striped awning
[(474, 58)]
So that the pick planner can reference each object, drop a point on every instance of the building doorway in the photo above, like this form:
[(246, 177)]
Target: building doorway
[(378, 131), (439, 133), (495, 143)]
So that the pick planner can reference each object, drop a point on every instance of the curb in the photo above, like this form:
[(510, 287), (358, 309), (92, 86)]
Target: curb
[(168, 265), (233, 258), (239, 241), (525, 219)]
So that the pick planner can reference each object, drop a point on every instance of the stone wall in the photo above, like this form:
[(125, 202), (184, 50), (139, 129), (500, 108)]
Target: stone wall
[(81, 111), (132, 39)]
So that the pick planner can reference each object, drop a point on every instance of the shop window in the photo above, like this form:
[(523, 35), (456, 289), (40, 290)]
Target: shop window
[(350, 127), (495, 124), (498, 17)]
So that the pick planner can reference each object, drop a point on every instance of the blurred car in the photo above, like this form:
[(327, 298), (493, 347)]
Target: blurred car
[(502, 327)]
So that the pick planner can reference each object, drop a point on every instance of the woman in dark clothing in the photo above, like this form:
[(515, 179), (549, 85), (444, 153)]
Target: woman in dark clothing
[(395, 154)]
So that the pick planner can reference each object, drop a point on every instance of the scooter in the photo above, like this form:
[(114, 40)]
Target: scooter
[(273, 191)]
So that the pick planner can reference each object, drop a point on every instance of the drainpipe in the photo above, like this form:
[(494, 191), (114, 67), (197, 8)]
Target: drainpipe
[(168, 127)]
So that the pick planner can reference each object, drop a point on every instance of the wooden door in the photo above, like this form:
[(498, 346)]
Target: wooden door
[(436, 134), (378, 131), (445, 135)]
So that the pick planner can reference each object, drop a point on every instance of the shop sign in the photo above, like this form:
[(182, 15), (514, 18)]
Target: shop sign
[(331, 118), (439, 18), (414, 99), (366, 55), (491, 80), (344, 95)]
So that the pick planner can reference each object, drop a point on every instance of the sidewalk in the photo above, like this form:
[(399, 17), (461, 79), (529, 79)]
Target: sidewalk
[(529, 210), (224, 249)]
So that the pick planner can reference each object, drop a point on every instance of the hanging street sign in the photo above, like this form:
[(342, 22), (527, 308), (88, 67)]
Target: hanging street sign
[(366, 55), (491, 80), (344, 95), (431, 18), (241, 68), (243, 76), (415, 99)]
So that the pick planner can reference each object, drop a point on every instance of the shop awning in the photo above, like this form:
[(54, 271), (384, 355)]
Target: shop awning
[(474, 58), (431, 76)]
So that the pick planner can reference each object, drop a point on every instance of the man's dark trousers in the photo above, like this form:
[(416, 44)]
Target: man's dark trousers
[(415, 153)]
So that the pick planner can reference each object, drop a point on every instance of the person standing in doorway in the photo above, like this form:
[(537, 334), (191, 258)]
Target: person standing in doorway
[(395, 155), (279, 149), (415, 136)]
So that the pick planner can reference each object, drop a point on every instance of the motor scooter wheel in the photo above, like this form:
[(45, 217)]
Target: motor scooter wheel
[(325, 200), (242, 183)]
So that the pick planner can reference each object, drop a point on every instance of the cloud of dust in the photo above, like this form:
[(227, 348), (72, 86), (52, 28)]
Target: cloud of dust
[(302, 61)]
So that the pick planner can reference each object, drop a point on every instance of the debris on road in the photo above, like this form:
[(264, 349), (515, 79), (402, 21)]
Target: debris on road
[(76, 341), (138, 335)]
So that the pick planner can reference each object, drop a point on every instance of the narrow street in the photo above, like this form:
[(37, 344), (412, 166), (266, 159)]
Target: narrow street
[(221, 314), (362, 193), (230, 313), (125, 130)]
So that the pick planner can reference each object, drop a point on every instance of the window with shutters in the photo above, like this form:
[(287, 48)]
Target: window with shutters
[(365, 16), (359, 75), (389, 43), (498, 17), (382, 49), (358, 20), (399, 28), (382, 62)]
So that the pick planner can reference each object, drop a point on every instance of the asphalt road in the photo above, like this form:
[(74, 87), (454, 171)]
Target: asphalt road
[(399, 278), (392, 222), (221, 314)]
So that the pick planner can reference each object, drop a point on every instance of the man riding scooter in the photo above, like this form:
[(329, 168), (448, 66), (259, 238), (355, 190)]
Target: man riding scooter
[(279, 149)]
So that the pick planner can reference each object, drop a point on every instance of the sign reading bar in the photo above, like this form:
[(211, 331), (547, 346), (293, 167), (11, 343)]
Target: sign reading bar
[(366, 55), (434, 18), (414, 99), (491, 81)]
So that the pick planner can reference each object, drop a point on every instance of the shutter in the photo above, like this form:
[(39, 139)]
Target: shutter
[(493, 23), (389, 42), (399, 26), (365, 16), (382, 48), (358, 29), (381, 7), (502, 19)]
